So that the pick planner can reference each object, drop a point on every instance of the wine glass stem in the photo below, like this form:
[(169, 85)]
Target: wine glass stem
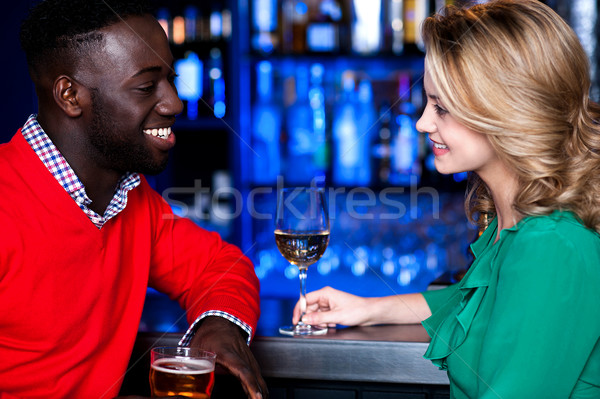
[(302, 276)]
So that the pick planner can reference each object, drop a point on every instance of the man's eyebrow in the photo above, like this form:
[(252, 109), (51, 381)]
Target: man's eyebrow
[(146, 70)]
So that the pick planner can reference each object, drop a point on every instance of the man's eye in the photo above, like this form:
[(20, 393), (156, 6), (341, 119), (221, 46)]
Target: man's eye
[(146, 89)]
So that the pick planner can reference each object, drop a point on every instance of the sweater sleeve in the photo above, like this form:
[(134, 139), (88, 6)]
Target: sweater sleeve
[(205, 274), (544, 322)]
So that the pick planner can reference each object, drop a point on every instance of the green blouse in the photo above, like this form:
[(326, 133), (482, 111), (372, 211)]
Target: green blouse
[(524, 322)]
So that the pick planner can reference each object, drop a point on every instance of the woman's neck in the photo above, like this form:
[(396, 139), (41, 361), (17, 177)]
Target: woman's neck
[(503, 187)]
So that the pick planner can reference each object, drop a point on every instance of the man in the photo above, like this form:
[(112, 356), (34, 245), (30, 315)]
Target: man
[(83, 236)]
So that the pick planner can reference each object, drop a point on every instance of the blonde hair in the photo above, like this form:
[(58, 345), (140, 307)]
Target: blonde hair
[(515, 71)]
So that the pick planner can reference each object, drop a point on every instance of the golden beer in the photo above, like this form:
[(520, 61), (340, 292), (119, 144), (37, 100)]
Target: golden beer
[(191, 378), (182, 371)]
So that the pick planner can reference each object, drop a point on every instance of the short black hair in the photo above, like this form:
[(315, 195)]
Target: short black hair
[(56, 31)]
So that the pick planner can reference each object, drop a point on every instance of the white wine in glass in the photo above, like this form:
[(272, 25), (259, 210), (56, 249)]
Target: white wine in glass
[(302, 235)]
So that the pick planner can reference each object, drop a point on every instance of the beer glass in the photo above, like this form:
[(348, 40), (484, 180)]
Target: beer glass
[(302, 235), (188, 372)]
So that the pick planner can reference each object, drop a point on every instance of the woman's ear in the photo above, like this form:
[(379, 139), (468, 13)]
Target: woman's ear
[(68, 95)]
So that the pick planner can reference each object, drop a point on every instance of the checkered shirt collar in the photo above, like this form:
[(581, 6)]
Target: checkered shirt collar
[(58, 166)]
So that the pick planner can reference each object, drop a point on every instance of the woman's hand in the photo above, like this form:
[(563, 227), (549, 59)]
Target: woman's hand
[(330, 307)]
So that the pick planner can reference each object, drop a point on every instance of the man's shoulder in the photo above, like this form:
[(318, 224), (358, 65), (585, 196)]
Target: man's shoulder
[(14, 151)]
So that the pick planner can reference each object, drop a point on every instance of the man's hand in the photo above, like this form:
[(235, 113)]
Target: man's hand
[(228, 341)]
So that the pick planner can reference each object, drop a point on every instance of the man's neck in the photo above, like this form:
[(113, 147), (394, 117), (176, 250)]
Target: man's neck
[(100, 183)]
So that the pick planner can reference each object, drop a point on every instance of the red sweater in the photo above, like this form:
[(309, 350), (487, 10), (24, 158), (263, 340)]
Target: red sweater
[(71, 295)]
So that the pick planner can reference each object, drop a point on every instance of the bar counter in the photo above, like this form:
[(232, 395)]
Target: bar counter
[(349, 363), (390, 353)]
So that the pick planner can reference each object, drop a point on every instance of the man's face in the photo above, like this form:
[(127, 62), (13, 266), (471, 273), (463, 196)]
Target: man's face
[(133, 98)]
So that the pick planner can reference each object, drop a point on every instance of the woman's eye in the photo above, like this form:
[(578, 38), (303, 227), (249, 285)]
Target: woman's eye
[(439, 110)]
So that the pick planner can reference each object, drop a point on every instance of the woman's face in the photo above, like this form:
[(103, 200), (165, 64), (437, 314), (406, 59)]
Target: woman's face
[(456, 147)]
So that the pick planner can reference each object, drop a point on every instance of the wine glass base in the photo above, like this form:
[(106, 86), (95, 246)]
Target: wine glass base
[(302, 329)]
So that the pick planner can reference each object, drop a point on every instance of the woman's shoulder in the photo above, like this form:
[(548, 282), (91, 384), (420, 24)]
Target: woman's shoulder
[(556, 238), (559, 224)]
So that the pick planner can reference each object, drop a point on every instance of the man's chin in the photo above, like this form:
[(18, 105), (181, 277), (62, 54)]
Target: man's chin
[(155, 169)]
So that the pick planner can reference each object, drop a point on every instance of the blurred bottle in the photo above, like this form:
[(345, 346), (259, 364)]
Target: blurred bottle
[(352, 135), (264, 22), (439, 4), (316, 96), (217, 83), (226, 24), (366, 27), (382, 147), (190, 16), (286, 16), (415, 12), (299, 25), (345, 136), (405, 141), (393, 30), (178, 30), (582, 15), (164, 19), (216, 21), (417, 98), (189, 84), (266, 128), (368, 128), (300, 167), (323, 27)]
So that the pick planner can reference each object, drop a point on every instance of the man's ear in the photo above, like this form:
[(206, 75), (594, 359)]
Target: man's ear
[(68, 94)]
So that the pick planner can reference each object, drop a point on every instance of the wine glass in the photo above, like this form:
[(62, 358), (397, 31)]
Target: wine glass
[(302, 235)]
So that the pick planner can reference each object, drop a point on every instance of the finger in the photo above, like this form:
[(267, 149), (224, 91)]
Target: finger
[(247, 380), (245, 368), (329, 318)]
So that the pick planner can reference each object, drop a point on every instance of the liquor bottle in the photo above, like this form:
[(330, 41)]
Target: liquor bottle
[(178, 29), (217, 83), (367, 128), (316, 96), (266, 128), (299, 24), (415, 12), (164, 19), (226, 24), (216, 22), (189, 84), (286, 16), (366, 27), (393, 30), (346, 146), (382, 148), (405, 145), (439, 4), (323, 28), (299, 168), (264, 22), (190, 16)]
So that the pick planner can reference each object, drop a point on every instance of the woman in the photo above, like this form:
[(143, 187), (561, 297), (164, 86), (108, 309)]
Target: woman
[(507, 98)]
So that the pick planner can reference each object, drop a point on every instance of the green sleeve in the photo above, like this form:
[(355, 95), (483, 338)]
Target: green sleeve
[(437, 298), (544, 322)]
